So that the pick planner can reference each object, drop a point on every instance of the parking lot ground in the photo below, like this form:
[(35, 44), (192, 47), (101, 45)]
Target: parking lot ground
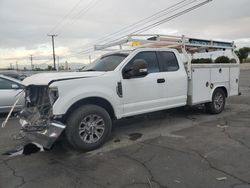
[(183, 147)]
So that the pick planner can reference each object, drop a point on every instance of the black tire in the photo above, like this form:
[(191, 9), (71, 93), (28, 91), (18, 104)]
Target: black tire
[(78, 119), (216, 107)]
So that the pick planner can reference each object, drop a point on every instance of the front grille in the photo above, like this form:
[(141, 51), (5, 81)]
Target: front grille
[(37, 97)]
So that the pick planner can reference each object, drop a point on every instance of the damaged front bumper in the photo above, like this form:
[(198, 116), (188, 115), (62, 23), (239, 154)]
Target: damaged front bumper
[(36, 119), (45, 136)]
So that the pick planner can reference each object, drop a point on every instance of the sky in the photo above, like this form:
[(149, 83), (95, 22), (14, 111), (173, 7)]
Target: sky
[(79, 23)]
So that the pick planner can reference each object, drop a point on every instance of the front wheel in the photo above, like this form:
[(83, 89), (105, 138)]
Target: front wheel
[(218, 102), (88, 127)]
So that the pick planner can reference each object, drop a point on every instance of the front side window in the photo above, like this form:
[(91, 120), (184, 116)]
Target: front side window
[(168, 61), (149, 57), (5, 84)]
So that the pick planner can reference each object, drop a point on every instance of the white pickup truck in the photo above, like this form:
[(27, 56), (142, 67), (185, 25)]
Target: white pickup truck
[(122, 84)]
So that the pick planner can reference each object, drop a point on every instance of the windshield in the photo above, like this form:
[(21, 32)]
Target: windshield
[(106, 63)]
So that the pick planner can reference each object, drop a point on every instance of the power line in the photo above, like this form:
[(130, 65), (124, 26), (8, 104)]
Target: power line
[(60, 23), (134, 25), (110, 36), (170, 18), (83, 11), (47, 61), (171, 11), (91, 5), (65, 17), (150, 26), (154, 16)]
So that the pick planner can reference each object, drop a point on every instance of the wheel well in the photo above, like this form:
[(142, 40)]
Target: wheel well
[(92, 100), (224, 89)]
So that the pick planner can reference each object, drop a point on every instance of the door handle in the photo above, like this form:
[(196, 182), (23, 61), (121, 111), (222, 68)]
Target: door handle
[(160, 80)]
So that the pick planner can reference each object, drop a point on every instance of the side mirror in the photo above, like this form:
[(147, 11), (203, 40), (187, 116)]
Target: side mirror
[(139, 69), (15, 86)]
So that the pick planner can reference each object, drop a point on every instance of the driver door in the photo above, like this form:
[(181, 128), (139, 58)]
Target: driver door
[(146, 93)]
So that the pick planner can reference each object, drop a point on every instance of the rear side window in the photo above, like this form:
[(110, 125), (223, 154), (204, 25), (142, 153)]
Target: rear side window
[(168, 61), (150, 58)]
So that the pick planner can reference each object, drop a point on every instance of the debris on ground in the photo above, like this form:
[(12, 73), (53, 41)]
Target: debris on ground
[(222, 126), (221, 178), (134, 136), (177, 181), (117, 140), (25, 150), (149, 182), (18, 136)]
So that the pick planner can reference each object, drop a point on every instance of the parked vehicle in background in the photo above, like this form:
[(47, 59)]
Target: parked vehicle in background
[(10, 90), (11, 73), (22, 77), (120, 84)]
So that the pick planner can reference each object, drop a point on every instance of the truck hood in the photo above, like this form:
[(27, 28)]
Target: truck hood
[(48, 78)]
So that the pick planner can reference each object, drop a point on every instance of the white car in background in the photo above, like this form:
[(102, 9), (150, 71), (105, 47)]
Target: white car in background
[(10, 90)]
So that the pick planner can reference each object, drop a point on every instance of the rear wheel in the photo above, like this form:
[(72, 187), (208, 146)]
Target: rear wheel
[(88, 127), (218, 102)]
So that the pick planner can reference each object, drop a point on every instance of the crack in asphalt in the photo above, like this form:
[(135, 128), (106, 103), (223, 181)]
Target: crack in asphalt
[(135, 183), (169, 148), (236, 140), (144, 165), (226, 122), (195, 152), (142, 145), (240, 126), (239, 184), (14, 173), (72, 169), (220, 170)]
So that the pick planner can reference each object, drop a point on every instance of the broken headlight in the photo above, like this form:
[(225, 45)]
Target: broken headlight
[(53, 94)]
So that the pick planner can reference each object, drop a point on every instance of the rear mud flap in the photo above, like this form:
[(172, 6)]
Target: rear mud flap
[(46, 137)]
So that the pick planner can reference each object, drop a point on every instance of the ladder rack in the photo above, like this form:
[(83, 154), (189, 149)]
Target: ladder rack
[(191, 45), (183, 44)]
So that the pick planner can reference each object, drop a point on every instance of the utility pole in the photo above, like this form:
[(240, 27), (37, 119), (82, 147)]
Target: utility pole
[(16, 65), (53, 46), (57, 63), (211, 56), (31, 63), (89, 59), (66, 65)]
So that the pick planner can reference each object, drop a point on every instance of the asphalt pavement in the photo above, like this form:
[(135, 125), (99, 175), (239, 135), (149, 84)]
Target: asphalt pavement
[(178, 148)]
